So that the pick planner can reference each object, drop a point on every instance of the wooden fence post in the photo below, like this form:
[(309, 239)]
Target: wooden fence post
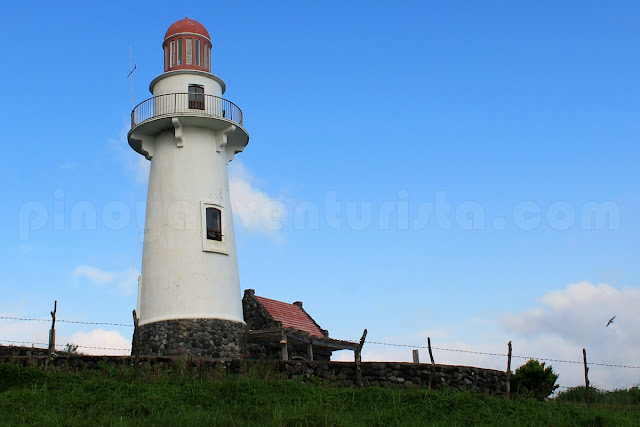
[(310, 352), (52, 335), (509, 371), (432, 363), (358, 356), (136, 340), (430, 352), (52, 331), (283, 345), (245, 340), (586, 377), (416, 356), (245, 348)]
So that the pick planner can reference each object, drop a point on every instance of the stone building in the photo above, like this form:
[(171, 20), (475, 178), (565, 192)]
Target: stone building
[(284, 331)]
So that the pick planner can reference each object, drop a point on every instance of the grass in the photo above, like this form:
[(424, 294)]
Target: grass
[(183, 396), (619, 398)]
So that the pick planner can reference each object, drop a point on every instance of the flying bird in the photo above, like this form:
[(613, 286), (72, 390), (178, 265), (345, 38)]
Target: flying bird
[(610, 321)]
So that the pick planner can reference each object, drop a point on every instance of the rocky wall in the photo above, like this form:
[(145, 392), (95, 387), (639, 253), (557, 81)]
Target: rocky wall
[(212, 338), (255, 314), (381, 374), (390, 374)]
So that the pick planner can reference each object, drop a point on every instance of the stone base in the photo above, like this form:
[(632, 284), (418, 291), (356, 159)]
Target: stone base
[(192, 337)]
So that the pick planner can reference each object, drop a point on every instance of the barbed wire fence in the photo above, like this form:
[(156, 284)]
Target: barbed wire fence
[(52, 346), (61, 346), (547, 359), (65, 321)]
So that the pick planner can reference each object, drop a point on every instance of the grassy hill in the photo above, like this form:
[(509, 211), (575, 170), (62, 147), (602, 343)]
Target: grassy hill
[(181, 396)]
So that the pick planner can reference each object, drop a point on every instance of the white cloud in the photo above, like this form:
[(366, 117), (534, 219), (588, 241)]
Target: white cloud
[(446, 348), (561, 324), (94, 274), (25, 331), (135, 163), (254, 209), (36, 334), (579, 314), (543, 349), (125, 281), (68, 165), (109, 342), (568, 320), (25, 249)]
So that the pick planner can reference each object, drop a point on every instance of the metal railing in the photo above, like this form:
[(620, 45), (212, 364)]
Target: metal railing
[(185, 103)]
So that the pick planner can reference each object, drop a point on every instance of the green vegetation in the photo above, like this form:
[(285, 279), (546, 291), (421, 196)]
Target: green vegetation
[(71, 348), (180, 395), (629, 396), (534, 380)]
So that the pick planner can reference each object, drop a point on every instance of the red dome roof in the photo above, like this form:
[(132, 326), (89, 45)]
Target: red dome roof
[(187, 25)]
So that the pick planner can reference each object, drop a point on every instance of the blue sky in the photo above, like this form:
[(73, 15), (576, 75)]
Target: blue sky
[(513, 115)]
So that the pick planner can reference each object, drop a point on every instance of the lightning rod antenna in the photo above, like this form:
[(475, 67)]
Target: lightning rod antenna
[(132, 68)]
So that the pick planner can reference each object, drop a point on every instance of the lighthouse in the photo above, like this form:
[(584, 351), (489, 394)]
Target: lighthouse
[(189, 300)]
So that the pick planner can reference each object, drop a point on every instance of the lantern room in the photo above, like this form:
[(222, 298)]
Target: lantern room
[(187, 46)]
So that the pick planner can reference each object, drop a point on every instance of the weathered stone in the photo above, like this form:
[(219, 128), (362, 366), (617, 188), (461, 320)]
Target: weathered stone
[(188, 337), (486, 381)]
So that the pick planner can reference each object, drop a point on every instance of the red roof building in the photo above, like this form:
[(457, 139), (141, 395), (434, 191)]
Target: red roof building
[(291, 316), (281, 330)]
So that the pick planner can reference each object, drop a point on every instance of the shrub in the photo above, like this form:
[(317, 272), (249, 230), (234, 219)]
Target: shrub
[(578, 395), (71, 348), (535, 380), (629, 396)]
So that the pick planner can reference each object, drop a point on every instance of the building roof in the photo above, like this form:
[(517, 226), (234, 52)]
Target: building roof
[(189, 26), (291, 316)]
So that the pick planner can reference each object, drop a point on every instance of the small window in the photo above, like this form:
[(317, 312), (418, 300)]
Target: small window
[(179, 51), (206, 57), (173, 53), (214, 224), (213, 237), (197, 51), (189, 52), (196, 97)]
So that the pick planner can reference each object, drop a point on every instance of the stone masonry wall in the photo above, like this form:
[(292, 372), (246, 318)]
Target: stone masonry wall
[(381, 374), (391, 374), (213, 338), (255, 314)]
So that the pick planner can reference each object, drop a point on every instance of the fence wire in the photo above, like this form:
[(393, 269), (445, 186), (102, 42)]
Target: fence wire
[(611, 365), (63, 346), (485, 353), (28, 319)]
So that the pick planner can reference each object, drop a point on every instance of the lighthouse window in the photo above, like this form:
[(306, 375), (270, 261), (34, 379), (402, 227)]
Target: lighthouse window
[(212, 217), (173, 53), (206, 56), (214, 224), (189, 52), (196, 97), (179, 51), (197, 52)]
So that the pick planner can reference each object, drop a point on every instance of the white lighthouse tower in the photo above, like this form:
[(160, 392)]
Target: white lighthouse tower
[(189, 298)]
